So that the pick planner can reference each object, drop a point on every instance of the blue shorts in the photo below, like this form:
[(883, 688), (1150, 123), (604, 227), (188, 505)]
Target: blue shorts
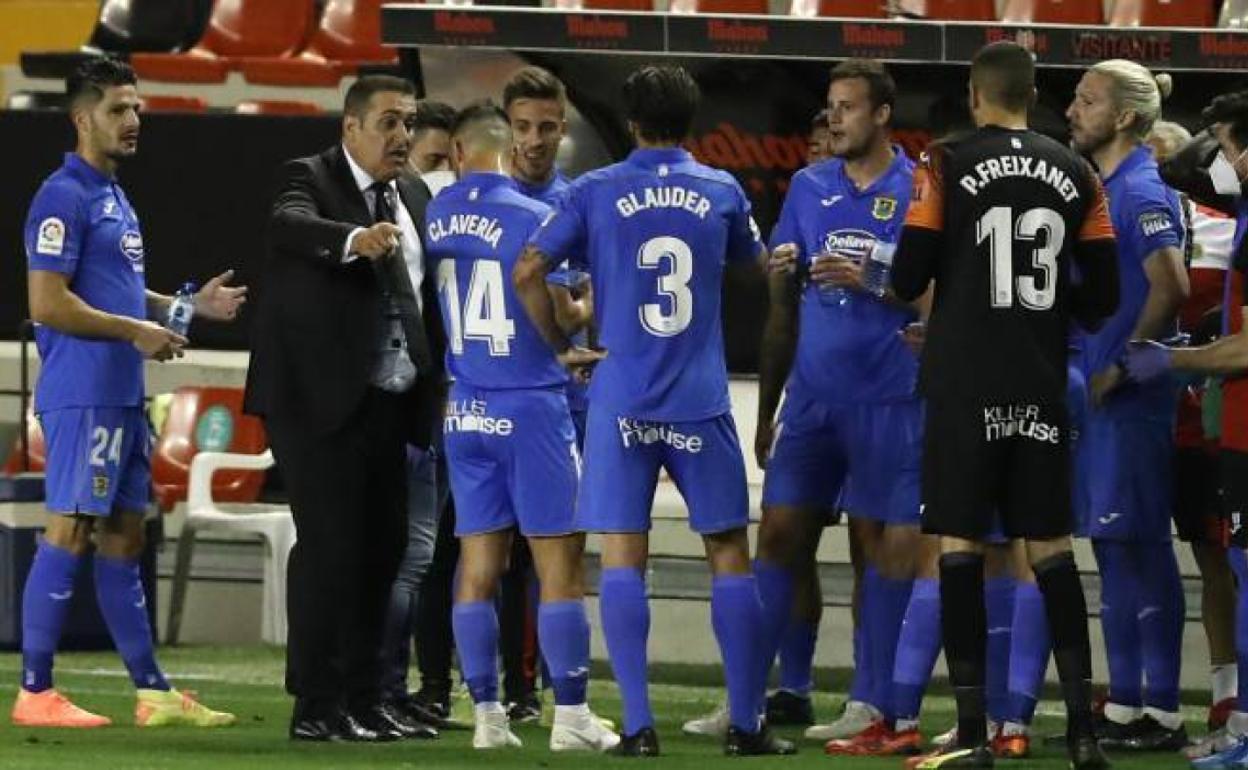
[(1127, 476), (622, 461), (512, 460), (866, 456), (98, 460)]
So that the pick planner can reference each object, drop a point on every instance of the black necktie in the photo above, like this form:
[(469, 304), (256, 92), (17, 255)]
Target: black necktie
[(396, 282)]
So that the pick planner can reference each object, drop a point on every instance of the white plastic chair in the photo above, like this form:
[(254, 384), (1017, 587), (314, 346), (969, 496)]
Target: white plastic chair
[(273, 523)]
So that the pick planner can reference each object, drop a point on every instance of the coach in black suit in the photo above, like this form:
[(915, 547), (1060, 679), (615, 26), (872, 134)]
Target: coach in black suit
[(343, 374)]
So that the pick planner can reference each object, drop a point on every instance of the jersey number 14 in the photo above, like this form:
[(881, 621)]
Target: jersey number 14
[(1002, 231), (485, 316)]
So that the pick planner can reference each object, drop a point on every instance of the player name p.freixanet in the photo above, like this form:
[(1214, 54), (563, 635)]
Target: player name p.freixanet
[(992, 169)]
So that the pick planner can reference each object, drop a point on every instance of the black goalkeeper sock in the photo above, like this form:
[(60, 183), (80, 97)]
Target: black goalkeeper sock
[(1067, 611), (964, 626)]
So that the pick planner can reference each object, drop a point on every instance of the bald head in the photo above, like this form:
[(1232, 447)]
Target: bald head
[(481, 138)]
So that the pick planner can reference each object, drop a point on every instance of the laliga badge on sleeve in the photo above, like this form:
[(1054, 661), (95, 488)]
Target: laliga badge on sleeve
[(51, 240)]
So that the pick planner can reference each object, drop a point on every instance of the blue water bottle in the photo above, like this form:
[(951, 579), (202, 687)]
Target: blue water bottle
[(182, 310)]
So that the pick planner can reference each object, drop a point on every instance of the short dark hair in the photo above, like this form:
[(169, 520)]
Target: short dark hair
[(91, 77), (432, 115), (662, 101), (1231, 109), (483, 111), (360, 94), (881, 88), (1005, 73), (533, 83), (820, 120)]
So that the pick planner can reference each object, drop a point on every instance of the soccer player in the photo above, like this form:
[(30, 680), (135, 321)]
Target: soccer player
[(657, 232), (509, 439), (849, 431), (1129, 440), (89, 300), (1212, 170), (996, 219), (818, 140), (430, 156)]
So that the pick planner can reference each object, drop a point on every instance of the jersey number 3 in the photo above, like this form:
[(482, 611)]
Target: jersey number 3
[(485, 317), (999, 227), (673, 285)]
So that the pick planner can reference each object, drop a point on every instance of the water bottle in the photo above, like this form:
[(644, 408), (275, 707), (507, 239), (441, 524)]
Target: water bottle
[(879, 265), (182, 309), (829, 295)]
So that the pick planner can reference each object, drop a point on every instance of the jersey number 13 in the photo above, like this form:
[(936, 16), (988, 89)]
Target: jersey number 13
[(1003, 231)]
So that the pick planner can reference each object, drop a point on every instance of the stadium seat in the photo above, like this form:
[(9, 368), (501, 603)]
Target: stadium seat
[(1162, 13), (36, 452), (348, 37), (273, 524), (237, 28), (1088, 12), (277, 107), (605, 5), (1234, 14), (856, 9), (961, 10), (169, 103), (207, 419), (759, 7), (123, 27)]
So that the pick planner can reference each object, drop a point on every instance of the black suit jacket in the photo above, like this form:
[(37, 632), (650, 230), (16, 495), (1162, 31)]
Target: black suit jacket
[(317, 328)]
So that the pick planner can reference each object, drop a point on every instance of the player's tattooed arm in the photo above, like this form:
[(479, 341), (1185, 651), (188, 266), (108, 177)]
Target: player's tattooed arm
[(571, 313), (776, 356), (529, 278), (54, 305)]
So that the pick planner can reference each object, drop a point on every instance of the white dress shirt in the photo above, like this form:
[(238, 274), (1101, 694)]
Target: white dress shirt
[(413, 256)]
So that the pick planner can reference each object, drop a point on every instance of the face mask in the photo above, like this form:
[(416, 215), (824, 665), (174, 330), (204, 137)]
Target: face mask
[(1224, 176), (438, 179)]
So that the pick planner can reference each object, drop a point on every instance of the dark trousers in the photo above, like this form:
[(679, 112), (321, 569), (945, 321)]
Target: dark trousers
[(348, 496), (435, 641), (517, 623)]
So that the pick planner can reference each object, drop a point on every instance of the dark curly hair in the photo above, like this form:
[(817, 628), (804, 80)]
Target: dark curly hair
[(1231, 109)]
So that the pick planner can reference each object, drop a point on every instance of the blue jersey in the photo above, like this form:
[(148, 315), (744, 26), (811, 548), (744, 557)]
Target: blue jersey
[(550, 193), (81, 225), (1146, 217), (848, 349), (655, 233), (475, 230)]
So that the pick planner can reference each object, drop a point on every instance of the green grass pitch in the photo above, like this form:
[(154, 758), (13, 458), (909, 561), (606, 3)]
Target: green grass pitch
[(247, 681)]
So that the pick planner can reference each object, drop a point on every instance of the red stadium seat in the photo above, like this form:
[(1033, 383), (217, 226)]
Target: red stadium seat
[(348, 36), (277, 107), (207, 419), (36, 451), (961, 10), (758, 7), (1234, 14), (853, 9), (1089, 12), (1162, 13), (605, 5), (237, 28), (168, 103)]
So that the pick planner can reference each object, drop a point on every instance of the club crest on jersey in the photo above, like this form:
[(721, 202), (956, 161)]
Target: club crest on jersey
[(884, 207), (51, 240), (132, 246), (1153, 222)]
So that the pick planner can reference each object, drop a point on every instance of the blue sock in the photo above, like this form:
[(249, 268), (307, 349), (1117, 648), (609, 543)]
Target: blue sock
[(917, 648), (119, 592), (1120, 623), (626, 628), (999, 601), (775, 591), (45, 603), (1030, 646), (1239, 565), (737, 617), (860, 686), (476, 638), (563, 631), (797, 657), (1162, 614), (884, 602)]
